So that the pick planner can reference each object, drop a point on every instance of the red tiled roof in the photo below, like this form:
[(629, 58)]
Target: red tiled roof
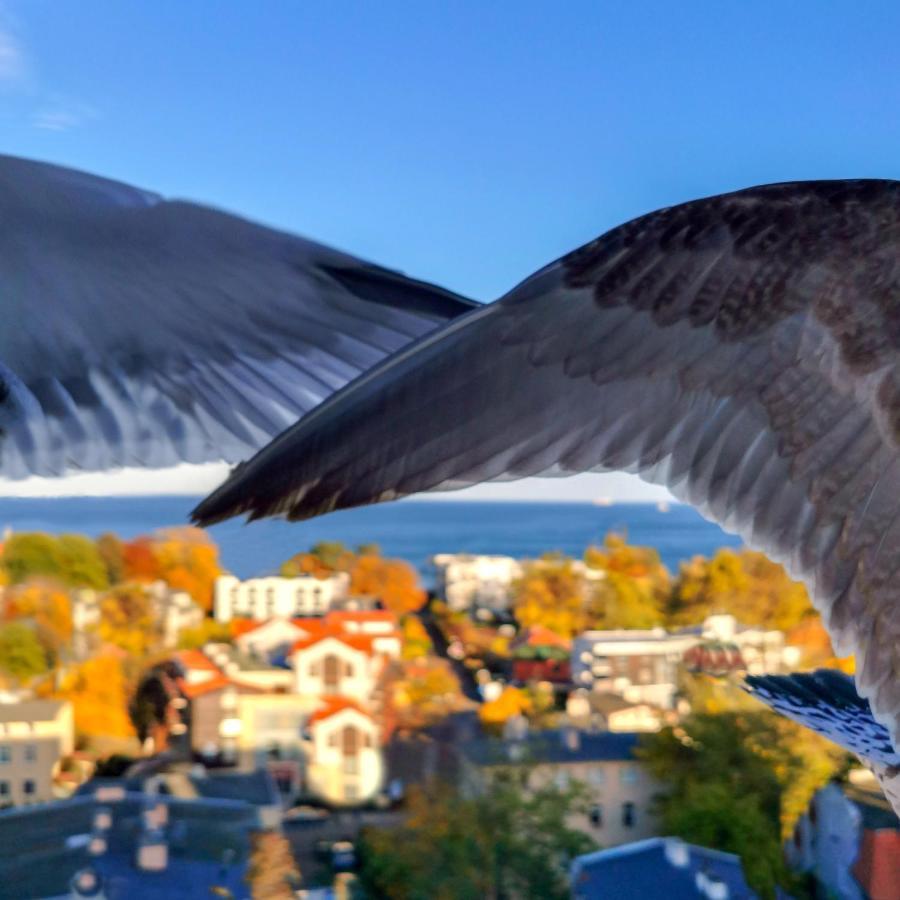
[(361, 642), (332, 705), (541, 636), (195, 659), (216, 683), (241, 627), (336, 616)]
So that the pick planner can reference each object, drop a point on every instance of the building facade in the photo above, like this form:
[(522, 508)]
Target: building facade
[(267, 598), (34, 736), (466, 581)]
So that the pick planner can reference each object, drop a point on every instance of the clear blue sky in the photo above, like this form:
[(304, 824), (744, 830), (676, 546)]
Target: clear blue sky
[(467, 143)]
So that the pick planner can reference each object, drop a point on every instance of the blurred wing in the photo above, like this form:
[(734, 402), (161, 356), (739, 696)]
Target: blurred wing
[(139, 331), (741, 350), (826, 701)]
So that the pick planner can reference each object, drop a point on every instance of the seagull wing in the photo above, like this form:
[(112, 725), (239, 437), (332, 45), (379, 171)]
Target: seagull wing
[(141, 331), (741, 350)]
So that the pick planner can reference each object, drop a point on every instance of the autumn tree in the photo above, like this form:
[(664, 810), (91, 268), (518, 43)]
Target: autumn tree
[(22, 657), (744, 583), (127, 620), (272, 873), (111, 550), (184, 558), (551, 593), (98, 690), (415, 640), (511, 702), (633, 588), (393, 582), (48, 607), (504, 842), (71, 559), (209, 631)]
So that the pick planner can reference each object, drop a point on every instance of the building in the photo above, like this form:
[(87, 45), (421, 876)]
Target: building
[(267, 598), (848, 841), (116, 841), (620, 790), (642, 664), (34, 737), (658, 867), (593, 710), (466, 581), (172, 610), (345, 761), (337, 664)]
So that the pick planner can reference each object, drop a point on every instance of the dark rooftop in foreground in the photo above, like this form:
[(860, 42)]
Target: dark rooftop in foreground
[(45, 845), (659, 867)]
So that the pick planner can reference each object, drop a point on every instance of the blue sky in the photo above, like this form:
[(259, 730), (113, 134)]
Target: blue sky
[(467, 143)]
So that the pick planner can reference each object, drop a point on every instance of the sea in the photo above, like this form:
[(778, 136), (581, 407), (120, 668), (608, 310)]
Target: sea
[(413, 530)]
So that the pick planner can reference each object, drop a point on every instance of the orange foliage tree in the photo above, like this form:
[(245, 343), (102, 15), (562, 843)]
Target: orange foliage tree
[(511, 702), (391, 581), (185, 558), (49, 606), (98, 690)]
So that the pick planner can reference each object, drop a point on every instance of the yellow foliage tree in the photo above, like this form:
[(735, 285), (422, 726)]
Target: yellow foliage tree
[(511, 702), (49, 606), (98, 690), (744, 583), (127, 620), (552, 594)]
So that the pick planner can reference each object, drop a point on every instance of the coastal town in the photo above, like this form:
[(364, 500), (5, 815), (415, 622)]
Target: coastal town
[(183, 725)]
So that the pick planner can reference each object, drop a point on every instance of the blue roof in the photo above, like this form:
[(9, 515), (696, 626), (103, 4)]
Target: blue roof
[(654, 868), (551, 746)]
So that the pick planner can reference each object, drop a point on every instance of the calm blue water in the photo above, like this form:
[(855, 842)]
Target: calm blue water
[(412, 530)]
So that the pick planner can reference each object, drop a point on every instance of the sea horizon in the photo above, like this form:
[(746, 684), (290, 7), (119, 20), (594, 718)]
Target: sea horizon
[(414, 529)]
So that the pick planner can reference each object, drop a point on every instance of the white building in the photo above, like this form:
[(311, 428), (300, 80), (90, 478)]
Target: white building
[(332, 664), (642, 665), (267, 598), (465, 580), (346, 764)]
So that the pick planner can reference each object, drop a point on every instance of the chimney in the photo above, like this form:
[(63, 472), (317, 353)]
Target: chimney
[(571, 738), (153, 851), (86, 884), (677, 852)]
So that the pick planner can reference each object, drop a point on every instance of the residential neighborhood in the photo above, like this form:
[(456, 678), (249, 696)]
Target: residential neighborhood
[(327, 703)]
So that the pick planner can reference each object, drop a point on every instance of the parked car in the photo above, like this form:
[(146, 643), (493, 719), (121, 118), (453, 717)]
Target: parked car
[(343, 856), (299, 815)]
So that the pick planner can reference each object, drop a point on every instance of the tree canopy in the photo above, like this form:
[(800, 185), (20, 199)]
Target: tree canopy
[(503, 843)]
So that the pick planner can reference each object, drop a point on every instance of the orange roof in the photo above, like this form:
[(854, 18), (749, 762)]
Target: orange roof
[(361, 642), (336, 616), (244, 626), (334, 704), (541, 636), (215, 683), (195, 659)]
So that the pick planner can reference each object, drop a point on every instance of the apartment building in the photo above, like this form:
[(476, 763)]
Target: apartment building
[(267, 598), (34, 736), (467, 581)]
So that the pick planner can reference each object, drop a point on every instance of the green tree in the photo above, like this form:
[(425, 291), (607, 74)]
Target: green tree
[(22, 656), (72, 559), (736, 780), (111, 550), (506, 842)]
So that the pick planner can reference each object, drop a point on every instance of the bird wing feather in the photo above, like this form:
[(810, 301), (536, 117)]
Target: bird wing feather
[(142, 331), (741, 350)]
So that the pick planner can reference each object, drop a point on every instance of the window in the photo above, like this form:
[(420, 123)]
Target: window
[(29, 787), (4, 791), (348, 670), (562, 780), (598, 777), (5, 754), (596, 815), (351, 765), (628, 815), (628, 775), (30, 752)]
